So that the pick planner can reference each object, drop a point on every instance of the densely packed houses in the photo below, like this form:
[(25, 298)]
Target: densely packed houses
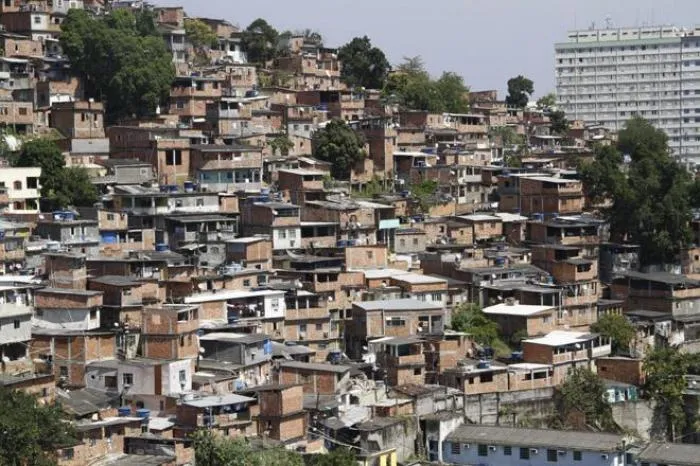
[(222, 283)]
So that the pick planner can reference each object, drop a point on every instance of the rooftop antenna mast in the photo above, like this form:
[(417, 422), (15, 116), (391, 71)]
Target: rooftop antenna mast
[(608, 22)]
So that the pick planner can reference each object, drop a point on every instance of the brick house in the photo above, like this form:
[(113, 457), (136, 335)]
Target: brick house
[(514, 318), (391, 318), (170, 332), (564, 350), (229, 415), (282, 416), (316, 378)]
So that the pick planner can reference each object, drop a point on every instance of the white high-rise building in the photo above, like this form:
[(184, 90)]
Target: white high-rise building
[(606, 76)]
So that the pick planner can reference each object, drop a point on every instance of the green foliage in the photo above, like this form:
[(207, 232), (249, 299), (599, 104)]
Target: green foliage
[(558, 123), (513, 144), (425, 194), (583, 393), (259, 41), (338, 457), (372, 188), (30, 433), (120, 60), (77, 188), (211, 450), (650, 200), (60, 186), (202, 38), (281, 145), (547, 101), (363, 64), (469, 318), (520, 89), (413, 88), (664, 368), (339, 144), (199, 34), (616, 327)]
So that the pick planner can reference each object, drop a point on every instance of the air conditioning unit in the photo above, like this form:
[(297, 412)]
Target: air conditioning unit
[(604, 456), (492, 447), (534, 451), (466, 446), (561, 452)]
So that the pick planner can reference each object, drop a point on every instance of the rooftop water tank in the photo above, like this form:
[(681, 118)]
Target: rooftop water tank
[(143, 413), (161, 247), (124, 411)]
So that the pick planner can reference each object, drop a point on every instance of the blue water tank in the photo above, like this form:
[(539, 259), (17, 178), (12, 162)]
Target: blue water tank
[(265, 192), (2, 234), (538, 217), (483, 365), (189, 186), (161, 247), (164, 188), (500, 261), (173, 188), (516, 355), (124, 411), (143, 413)]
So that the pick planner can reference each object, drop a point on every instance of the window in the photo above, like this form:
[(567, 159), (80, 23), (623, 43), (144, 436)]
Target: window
[(455, 450), (182, 376), (199, 202), (246, 282), (302, 327), (127, 379), (483, 450), (17, 185), (551, 456), (485, 378), (319, 327), (282, 234), (507, 450), (578, 456), (524, 453), (370, 254), (93, 314), (63, 371), (37, 19), (173, 157), (17, 324), (436, 296), (417, 371)]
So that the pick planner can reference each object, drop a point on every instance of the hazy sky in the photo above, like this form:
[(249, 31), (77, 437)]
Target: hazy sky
[(487, 41)]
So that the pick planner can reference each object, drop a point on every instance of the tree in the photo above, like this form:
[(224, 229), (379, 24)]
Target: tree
[(453, 93), (520, 89), (425, 193), (650, 197), (664, 368), (547, 101), (413, 88), (339, 144), (583, 393), (78, 188), (363, 64), (259, 41), (616, 327), (60, 186), (45, 154), (512, 143), (281, 145), (211, 450), (558, 122), (119, 60), (202, 38), (337, 457), (470, 319), (30, 433)]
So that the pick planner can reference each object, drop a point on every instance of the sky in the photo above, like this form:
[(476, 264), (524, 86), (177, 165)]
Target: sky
[(486, 41)]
